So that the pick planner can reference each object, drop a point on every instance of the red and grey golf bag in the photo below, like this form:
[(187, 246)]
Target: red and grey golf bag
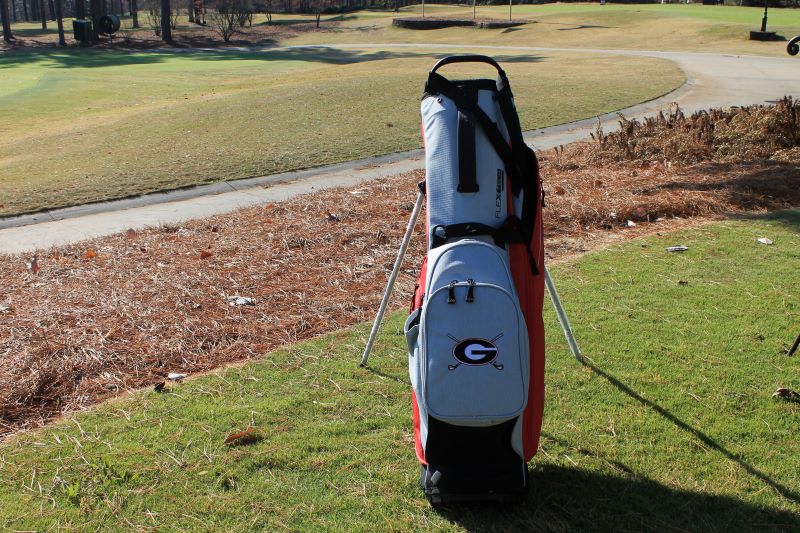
[(475, 333)]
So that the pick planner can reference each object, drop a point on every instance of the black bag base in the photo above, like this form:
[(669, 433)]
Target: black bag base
[(456, 484)]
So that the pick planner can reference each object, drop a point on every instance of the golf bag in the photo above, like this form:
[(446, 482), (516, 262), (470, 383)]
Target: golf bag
[(475, 332)]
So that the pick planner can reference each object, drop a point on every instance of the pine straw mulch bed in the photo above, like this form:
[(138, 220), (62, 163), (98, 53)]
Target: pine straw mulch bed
[(119, 312)]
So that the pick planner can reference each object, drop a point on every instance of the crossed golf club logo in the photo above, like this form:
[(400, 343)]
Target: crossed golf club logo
[(475, 352)]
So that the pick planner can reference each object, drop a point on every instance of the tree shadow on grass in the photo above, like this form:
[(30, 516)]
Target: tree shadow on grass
[(570, 499), (778, 487), (321, 54), (309, 20)]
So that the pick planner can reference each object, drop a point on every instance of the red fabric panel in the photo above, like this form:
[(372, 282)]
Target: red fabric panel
[(417, 439), (531, 294)]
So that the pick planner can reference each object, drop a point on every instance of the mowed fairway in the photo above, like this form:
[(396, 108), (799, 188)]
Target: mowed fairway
[(87, 126), (674, 27)]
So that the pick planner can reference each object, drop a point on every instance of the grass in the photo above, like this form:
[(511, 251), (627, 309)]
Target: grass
[(675, 27), (671, 425), (84, 126), (115, 125)]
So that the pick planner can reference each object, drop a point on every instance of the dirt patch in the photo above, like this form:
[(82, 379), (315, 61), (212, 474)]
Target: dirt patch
[(120, 312)]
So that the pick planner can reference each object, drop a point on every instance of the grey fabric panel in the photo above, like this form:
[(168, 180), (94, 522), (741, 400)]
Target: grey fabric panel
[(411, 329), (440, 129)]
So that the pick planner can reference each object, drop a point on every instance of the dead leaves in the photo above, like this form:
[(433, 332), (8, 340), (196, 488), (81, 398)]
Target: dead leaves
[(205, 254), (248, 436)]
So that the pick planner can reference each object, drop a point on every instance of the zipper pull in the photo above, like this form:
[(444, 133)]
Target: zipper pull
[(470, 291), (451, 292)]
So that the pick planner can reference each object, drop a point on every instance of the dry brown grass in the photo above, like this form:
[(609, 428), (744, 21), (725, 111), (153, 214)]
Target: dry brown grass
[(120, 312)]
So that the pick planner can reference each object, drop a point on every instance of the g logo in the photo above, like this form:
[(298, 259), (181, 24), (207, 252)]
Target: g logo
[(475, 352)]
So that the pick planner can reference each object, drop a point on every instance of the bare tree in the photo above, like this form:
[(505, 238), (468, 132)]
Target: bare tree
[(199, 12), (226, 18), (268, 9), (166, 27), (317, 7), (43, 14), (134, 9), (60, 23), (153, 16), (244, 13), (7, 36)]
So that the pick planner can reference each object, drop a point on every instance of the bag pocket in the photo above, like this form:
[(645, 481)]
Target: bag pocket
[(411, 330), (474, 361)]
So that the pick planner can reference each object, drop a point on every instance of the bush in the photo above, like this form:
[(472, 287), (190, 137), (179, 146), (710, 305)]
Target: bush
[(230, 16)]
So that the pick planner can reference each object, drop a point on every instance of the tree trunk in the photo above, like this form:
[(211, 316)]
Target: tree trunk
[(80, 9), (43, 14), (319, 14), (52, 10), (7, 37), (135, 13), (60, 23), (13, 10), (166, 30), (25, 11), (97, 8), (190, 10)]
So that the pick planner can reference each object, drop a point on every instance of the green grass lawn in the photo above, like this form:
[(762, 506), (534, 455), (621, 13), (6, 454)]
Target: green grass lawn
[(83, 126), (670, 427)]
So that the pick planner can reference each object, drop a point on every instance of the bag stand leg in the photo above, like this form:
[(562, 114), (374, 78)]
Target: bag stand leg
[(392, 278), (562, 316)]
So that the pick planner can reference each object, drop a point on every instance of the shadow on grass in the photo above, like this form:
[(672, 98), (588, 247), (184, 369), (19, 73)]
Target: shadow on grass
[(108, 58), (36, 32), (569, 499), (788, 219), (309, 20), (584, 27), (781, 489)]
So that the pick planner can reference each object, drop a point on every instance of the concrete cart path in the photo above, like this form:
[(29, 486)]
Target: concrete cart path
[(713, 80)]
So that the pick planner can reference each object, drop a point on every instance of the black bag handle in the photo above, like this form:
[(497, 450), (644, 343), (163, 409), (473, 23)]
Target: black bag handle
[(473, 58)]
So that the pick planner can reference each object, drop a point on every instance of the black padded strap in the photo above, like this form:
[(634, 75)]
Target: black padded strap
[(507, 233), (525, 158), (467, 172)]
